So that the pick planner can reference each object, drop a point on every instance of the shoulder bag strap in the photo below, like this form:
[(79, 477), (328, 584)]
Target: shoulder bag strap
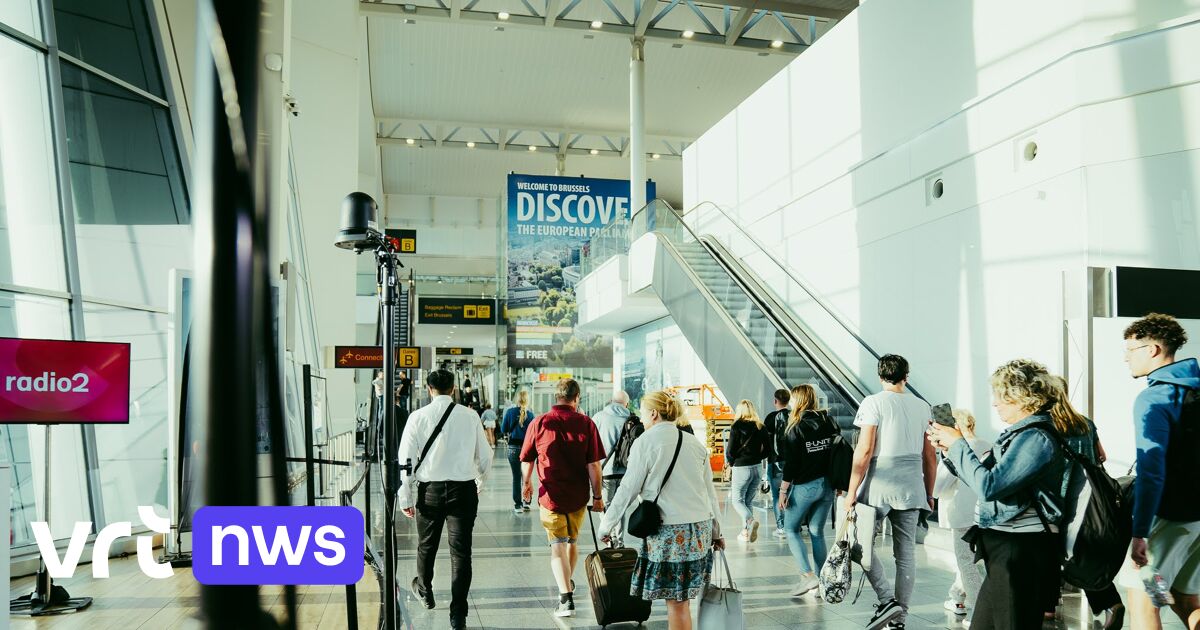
[(614, 447), (433, 436), (671, 468)]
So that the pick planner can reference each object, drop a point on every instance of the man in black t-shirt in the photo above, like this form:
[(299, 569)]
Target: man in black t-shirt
[(775, 423)]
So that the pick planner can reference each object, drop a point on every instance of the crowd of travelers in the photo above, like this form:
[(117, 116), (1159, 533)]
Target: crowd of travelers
[(1012, 506)]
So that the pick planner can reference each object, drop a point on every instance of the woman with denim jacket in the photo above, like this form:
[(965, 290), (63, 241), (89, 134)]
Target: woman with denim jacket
[(1020, 486)]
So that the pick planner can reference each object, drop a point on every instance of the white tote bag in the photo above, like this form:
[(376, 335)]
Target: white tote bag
[(721, 607)]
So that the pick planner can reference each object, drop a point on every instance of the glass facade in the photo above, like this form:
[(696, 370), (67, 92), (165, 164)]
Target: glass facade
[(93, 215), (31, 243)]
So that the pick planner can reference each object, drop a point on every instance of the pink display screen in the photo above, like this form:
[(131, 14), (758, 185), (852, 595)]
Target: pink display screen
[(43, 381)]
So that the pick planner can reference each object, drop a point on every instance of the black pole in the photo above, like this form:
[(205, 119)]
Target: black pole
[(391, 474), (229, 292), (306, 371)]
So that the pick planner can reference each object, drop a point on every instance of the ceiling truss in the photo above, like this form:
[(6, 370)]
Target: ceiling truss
[(482, 136), (643, 19)]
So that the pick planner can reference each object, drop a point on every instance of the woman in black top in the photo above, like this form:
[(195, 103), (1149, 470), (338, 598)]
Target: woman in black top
[(745, 452), (805, 496)]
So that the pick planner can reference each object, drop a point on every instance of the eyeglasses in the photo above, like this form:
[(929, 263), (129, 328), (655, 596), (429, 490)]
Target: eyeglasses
[(1130, 350)]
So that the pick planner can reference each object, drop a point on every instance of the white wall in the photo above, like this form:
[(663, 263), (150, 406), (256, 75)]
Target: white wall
[(324, 79), (448, 226), (829, 165)]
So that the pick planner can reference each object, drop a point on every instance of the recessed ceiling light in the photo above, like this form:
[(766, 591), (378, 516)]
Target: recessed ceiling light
[(777, 44), (503, 15), (655, 156), (470, 145), (689, 34), (410, 141), (533, 147), (597, 23), (595, 151)]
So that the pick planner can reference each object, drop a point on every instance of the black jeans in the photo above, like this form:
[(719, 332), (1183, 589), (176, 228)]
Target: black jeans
[(514, 462), (454, 503), (1103, 599), (1022, 572)]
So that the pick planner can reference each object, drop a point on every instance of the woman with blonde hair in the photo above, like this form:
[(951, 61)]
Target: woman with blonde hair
[(516, 420), (676, 563), (956, 512), (805, 496), (1020, 485), (745, 451)]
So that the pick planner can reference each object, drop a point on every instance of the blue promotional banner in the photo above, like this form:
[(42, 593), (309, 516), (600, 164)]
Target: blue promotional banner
[(550, 220)]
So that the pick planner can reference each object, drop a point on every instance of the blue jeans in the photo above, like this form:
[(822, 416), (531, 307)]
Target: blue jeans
[(808, 504), (743, 488), (775, 477), (514, 462)]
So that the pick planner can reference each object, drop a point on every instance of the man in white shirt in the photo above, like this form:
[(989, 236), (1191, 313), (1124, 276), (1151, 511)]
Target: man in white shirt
[(894, 470), (446, 489)]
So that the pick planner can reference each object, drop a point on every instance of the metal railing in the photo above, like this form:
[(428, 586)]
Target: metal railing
[(826, 327), (345, 497)]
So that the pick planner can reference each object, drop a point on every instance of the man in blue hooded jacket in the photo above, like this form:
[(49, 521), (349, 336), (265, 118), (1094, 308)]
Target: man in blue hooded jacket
[(1166, 504)]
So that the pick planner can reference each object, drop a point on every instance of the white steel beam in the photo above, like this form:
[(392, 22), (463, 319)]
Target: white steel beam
[(740, 19), (506, 129), (625, 31)]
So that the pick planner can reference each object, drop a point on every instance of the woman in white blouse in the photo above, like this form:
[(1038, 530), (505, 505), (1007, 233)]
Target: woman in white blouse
[(675, 563)]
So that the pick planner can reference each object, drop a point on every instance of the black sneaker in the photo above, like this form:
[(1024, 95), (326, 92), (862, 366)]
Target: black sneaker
[(565, 609), (426, 598), (895, 625), (458, 623), (884, 614)]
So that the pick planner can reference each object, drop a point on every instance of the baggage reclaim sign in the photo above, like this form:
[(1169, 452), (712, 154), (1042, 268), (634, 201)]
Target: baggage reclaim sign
[(470, 311)]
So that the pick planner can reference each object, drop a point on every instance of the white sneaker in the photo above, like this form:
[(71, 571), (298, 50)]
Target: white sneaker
[(754, 531), (780, 534), (808, 582), (743, 537), (954, 607)]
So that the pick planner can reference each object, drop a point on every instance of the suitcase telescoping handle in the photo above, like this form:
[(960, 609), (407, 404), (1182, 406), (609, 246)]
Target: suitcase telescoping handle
[(592, 526)]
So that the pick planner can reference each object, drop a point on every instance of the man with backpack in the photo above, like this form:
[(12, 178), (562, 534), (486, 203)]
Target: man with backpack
[(775, 424), (618, 429), (1166, 501)]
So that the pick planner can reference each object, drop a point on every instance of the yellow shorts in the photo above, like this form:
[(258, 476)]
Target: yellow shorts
[(562, 528)]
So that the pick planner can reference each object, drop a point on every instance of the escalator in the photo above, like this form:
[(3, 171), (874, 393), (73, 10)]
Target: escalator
[(748, 336)]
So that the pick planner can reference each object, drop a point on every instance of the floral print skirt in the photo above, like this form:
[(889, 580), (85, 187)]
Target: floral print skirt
[(675, 563)]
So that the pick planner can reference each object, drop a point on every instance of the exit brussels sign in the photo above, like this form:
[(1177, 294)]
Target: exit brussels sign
[(434, 310)]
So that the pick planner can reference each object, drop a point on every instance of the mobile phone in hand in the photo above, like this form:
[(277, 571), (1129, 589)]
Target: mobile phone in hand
[(941, 415)]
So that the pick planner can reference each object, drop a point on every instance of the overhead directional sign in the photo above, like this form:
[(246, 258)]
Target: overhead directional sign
[(454, 352), (469, 311), (407, 357), (407, 238)]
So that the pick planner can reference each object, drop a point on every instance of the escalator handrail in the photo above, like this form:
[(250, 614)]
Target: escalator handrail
[(784, 267), (748, 346), (787, 270), (820, 359)]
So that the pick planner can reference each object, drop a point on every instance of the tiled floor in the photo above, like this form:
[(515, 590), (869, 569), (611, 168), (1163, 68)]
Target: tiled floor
[(513, 587)]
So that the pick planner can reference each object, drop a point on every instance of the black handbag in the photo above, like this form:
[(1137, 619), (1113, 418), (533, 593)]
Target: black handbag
[(646, 519)]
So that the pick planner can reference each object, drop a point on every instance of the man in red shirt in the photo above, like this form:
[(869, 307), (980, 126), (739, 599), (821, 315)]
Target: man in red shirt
[(566, 447)]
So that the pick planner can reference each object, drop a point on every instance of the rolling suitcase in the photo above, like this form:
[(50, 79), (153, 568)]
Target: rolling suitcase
[(609, 572)]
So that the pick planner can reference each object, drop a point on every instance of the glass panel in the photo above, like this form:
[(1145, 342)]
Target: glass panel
[(22, 447), (113, 35), (128, 191), (133, 458), (22, 15), (30, 234), (124, 165)]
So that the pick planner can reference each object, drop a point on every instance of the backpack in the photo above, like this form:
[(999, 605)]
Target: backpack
[(1096, 524), (841, 457), (630, 431)]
